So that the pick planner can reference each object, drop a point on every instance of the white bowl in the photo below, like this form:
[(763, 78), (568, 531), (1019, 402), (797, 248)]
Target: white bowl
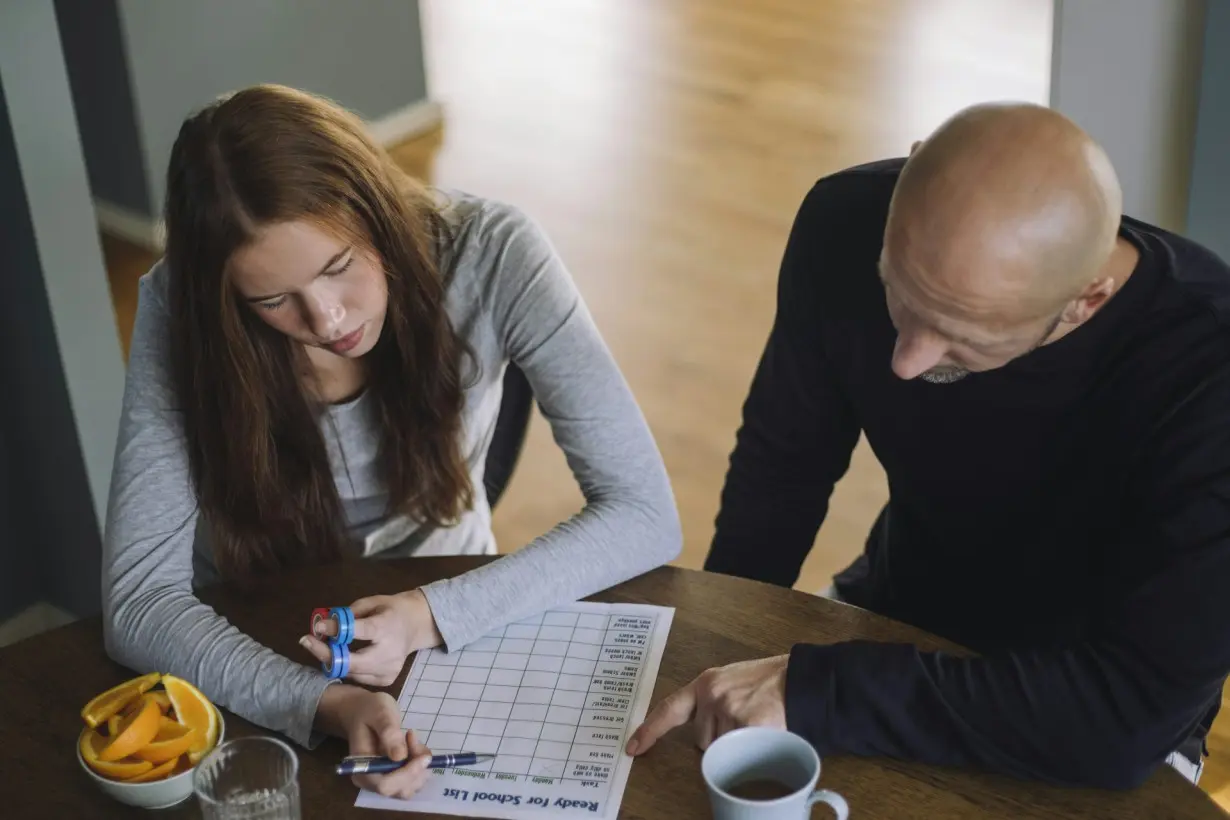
[(157, 794)]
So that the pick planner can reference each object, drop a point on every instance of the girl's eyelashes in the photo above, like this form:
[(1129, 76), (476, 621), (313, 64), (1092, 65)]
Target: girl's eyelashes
[(345, 267), (274, 304)]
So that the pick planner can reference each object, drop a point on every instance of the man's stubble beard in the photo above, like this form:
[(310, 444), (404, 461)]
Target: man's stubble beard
[(950, 374)]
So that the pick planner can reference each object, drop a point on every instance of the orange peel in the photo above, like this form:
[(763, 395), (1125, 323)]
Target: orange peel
[(91, 743), (96, 712), (156, 773)]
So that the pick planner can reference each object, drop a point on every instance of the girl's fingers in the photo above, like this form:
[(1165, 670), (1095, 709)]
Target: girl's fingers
[(376, 660), (364, 743), (417, 749), (319, 649), (364, 607), (367, 629), (411, 776), (364, 629), (403, 783), (368, 623)]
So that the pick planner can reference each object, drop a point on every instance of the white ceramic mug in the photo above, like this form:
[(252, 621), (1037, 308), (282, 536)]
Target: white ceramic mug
[(759, 753)]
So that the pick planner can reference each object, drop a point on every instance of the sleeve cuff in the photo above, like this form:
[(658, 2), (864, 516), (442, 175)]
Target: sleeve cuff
[(810, 692), (302, 731), (452, 635)]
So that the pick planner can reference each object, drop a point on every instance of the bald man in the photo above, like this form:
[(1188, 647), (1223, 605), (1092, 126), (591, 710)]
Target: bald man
[(1047, 385)]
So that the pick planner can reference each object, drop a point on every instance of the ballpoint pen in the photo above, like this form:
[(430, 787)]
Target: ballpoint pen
[(362, 764)]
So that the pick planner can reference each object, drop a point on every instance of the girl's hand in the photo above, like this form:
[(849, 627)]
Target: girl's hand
[(396, 625), (371, 723)]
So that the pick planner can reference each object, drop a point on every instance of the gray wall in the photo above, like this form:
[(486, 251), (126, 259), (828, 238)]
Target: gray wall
[(62, 370), (1128, 72), (176, 55), (1208, 218), (102, 97), (20, 542)]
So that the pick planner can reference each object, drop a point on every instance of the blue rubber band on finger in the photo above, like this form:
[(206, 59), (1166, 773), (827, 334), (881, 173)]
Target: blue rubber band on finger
[(345, 624), (339, 664)]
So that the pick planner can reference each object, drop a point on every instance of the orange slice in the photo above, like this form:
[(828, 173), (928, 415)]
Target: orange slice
[(91, 743), (194, 758), (173, 739), (156, 773), (136, 730), (164, 702), (113, 726), (193, 709), (96, 712), (160, 698)]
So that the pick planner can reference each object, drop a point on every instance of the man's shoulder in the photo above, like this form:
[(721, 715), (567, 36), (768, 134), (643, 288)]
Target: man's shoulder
[(860, 191), (880, 170), (837, 236), (844, 214), (1172, 363), (1193, 270)]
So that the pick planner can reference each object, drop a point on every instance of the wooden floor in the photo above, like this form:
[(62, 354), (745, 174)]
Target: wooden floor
[(665, 145)]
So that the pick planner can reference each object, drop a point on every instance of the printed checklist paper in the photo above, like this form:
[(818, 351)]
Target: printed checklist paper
[(553, 697)]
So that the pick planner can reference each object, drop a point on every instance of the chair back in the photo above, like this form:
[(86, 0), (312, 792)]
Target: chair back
[(510, 430)]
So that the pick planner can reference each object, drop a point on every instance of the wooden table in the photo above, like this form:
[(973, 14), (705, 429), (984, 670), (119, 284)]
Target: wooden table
[(45, 680)]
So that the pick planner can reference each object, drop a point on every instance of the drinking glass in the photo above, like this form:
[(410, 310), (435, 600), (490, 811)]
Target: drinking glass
[(250, 778)]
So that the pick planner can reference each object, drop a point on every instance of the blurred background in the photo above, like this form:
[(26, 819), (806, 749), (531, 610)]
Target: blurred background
[(663, 144)]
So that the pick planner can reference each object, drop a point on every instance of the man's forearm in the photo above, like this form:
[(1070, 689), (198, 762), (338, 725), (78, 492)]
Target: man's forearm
[(1068, 716)]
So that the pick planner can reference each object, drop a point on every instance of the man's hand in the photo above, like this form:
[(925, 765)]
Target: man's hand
[(751, 693)]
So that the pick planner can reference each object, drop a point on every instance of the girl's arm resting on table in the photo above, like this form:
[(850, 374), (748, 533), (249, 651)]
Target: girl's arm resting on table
[(629, 524), (152, 620)]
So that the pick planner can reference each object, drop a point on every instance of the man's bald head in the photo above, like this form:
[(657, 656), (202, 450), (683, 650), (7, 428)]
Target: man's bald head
[(1000, 219)]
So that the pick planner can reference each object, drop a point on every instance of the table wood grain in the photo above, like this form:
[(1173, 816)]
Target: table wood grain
[(45, 680)]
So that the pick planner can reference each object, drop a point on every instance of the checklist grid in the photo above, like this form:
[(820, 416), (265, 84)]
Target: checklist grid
[(549, 696)]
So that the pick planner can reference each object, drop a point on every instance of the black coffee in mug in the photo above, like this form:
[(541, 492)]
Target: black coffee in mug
[(760, 788), (758, 773)]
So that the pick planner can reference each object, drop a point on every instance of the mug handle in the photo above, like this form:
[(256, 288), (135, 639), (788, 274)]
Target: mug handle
[(835, 800)]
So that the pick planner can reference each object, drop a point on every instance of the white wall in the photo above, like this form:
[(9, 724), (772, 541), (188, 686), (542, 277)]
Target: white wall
[(1128, 72)]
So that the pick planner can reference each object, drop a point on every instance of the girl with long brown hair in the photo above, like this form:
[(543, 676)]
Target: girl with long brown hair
[(315, 375)]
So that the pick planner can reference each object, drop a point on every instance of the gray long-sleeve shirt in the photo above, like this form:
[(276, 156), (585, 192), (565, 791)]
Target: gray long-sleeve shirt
[(511, 298)]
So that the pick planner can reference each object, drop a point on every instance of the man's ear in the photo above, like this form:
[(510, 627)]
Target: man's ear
[(1091, 299), (914, 147)]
